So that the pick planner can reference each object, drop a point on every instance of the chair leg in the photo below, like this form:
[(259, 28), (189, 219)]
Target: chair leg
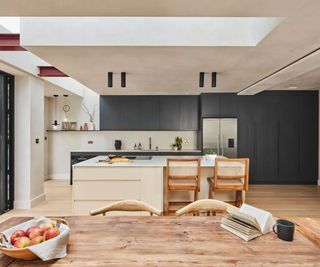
[(195, 199), (166, 204), (210, 195), (243, 196), (238, 200)]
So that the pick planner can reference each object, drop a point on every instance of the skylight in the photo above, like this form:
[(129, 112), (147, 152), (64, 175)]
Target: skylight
[(146, 31), (9, 24)]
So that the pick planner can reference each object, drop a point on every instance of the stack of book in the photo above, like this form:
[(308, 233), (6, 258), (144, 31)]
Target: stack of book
[(247, 222)]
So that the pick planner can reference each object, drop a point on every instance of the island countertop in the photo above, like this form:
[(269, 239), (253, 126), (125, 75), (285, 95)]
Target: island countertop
[(155, 161)]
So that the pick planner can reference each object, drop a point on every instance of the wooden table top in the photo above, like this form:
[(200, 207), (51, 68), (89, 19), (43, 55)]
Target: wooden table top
[(170, 241)]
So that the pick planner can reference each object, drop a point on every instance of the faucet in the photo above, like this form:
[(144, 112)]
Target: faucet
[(150, 145)]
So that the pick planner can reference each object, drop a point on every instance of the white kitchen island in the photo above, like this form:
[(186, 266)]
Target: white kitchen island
[(98, 183)]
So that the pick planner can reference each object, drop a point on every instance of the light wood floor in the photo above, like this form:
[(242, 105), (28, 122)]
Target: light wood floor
[(280, 200)]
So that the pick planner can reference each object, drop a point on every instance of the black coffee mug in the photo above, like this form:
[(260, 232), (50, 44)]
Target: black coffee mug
[(284, 230)]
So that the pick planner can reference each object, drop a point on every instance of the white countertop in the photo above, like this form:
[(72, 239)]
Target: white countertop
[(156, 161), (137, 151)]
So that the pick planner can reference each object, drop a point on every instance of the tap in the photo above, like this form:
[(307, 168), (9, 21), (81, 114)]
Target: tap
[(150, 144)]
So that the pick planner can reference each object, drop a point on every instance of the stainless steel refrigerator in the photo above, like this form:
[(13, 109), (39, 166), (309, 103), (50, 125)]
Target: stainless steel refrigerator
[(220, 136)]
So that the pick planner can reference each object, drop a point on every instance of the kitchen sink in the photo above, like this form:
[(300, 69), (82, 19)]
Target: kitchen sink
[(139, 157)]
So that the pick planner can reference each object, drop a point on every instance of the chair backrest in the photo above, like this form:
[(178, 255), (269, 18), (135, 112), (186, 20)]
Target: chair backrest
[(126, 205), (206, 205), (232, 169), (185, 168)]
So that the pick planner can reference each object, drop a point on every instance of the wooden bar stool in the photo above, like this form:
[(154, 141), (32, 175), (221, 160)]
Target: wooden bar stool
[(230, 175), (182, 175)]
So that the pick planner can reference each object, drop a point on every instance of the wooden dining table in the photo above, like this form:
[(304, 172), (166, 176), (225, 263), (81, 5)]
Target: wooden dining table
[(172, 241)]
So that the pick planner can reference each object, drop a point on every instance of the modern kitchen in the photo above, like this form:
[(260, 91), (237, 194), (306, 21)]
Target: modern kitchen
[(166, 133)]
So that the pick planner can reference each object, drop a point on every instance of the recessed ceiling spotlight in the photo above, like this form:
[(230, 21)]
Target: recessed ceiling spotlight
[(292, 87)]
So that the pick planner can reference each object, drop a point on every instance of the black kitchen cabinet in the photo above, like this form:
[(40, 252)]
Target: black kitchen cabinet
[(169, 113), (277, 130), (228, 106), (149, 113), (130, 113), (110, 117), (164, 113), (189, 113), (210, 105), (309, 125), (247, 130)]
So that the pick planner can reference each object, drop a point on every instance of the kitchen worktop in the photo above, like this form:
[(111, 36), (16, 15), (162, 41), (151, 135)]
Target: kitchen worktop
[(155, 161), (139, 151)]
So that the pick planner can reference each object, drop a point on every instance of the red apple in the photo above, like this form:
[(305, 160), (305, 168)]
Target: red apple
[(51, 233), (22, 242), (37, 231), (16, 235), (29, 230), (47, 226), (37, 240)]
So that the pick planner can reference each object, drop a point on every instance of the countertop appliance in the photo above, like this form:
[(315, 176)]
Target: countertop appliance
[(220, 136), (117, 144)]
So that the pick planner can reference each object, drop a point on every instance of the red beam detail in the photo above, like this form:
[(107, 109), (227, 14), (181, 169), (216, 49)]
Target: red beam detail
[(49, 71), (10, 42)]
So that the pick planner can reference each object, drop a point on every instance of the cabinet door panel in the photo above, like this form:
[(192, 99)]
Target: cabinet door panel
[(228, 105), (210, 105), (188, 113), (149, 113), (309, 137), (130, 113), (110, 113), (169, 113)]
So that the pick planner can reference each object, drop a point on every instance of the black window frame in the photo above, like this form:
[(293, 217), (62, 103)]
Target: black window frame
[(6, 142)]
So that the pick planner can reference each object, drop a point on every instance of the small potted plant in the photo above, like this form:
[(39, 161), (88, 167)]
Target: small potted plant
[(210, 155), (178, 142)]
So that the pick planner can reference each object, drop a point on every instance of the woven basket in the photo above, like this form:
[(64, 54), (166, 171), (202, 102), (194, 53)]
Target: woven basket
[(24, 253)]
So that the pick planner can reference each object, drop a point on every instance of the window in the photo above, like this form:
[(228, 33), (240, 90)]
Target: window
[(6, 142)]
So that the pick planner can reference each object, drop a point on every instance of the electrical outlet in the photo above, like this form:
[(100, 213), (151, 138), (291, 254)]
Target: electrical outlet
[(90, 142)]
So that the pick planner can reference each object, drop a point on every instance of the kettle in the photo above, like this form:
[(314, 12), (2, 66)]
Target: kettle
[(117, 144)]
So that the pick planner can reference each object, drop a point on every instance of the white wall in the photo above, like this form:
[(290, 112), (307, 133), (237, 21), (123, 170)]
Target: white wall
[(29, 156)]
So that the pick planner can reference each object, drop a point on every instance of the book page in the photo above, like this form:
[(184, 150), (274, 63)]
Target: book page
[(263, 218), (247, 218)]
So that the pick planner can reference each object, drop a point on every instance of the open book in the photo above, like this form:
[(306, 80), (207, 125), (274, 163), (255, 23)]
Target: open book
[(247, 222)]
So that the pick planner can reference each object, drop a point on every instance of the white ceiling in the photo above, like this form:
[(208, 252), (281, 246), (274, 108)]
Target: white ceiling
[(174, 70)]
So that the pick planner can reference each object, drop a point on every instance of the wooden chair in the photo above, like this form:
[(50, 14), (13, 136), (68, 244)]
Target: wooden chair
[(230, 175), (126, 205), (182, 175), (210, 206)]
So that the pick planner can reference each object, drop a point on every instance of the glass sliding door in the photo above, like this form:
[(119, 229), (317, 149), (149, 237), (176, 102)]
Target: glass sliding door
[(6, 142)]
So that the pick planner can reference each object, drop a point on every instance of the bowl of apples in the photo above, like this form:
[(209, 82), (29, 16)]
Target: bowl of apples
[(35, 238)]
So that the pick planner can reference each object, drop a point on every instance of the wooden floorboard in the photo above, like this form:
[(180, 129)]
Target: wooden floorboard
[(280, 200)]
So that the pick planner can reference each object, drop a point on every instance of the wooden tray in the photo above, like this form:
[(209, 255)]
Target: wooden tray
[(25, 253)]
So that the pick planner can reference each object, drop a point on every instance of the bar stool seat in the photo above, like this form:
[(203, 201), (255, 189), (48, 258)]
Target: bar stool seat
[(230, 182), (182, 185)]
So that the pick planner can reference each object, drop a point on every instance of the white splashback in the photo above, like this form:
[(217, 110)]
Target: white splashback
[(105, 140)]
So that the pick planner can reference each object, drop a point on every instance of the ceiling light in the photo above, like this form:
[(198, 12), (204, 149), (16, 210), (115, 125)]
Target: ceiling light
[(213, 79), (201, 79), (292, 87), (110, 79), (123, 79)]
